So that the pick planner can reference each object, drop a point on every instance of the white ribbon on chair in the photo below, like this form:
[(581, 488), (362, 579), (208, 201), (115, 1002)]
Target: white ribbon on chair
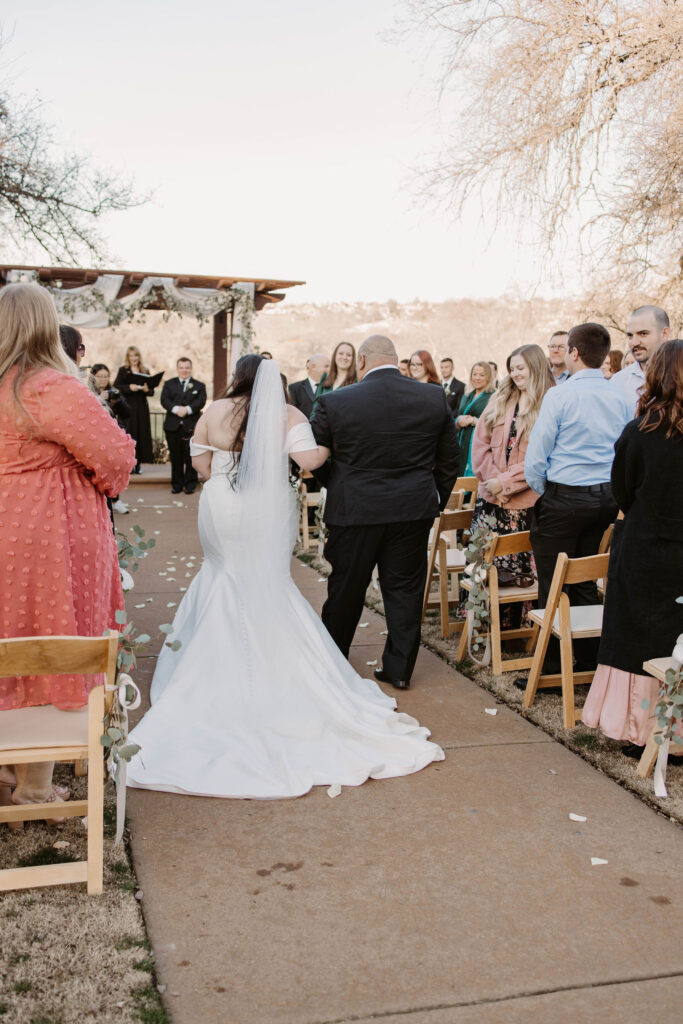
[(118, 770)]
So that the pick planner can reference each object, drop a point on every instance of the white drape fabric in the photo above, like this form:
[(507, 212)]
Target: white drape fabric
[(91, 314)]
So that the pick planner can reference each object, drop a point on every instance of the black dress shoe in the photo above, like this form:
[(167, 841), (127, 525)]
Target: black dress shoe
[(382, 677), (176, 490), (189, 490)]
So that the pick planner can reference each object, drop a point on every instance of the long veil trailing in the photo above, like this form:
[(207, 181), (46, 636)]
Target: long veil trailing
[(267, 514)]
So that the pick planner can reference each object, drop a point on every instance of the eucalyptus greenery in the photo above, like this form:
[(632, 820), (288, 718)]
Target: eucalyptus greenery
[(234, 299), (321, 530), (131, 644), (476, 549), (669, 707)]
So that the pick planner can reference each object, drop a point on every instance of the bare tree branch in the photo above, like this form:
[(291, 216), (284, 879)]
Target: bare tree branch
[(567, 106)]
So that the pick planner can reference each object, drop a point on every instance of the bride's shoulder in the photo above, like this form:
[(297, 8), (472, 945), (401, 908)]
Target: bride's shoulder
[(294, 416)]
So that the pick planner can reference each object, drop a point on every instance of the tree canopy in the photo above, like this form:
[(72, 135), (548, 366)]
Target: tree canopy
[(571, 110)]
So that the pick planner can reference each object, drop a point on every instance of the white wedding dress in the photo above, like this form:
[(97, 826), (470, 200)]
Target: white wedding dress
[(258, 702)]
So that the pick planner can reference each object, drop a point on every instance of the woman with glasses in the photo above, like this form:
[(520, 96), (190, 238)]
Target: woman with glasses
[(136, 394), (422, 368)]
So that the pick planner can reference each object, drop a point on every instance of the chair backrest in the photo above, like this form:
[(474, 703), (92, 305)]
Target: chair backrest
[(509, 544), (606, 542), (579, 570), (462, 486), (455, 520), (60, 655)]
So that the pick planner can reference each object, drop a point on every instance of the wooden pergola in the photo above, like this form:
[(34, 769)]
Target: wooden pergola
[(262, 292)]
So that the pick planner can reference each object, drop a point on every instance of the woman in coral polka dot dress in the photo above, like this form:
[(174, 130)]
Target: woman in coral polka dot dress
[(60, 454)]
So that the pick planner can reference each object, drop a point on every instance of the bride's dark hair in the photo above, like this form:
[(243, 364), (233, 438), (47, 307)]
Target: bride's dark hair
[(241, 387)]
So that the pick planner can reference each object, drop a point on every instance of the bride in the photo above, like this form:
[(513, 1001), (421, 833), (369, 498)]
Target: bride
[(258, 701)]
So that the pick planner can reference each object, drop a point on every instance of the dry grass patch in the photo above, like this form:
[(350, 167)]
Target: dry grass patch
[(70, 958)]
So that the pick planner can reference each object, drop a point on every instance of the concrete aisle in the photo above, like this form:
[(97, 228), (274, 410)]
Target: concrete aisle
[(460, 895)]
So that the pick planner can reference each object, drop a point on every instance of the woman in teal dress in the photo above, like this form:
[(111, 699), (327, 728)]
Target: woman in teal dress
[(472, 406)]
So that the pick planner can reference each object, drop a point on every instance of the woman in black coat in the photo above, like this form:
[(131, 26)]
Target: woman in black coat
[(642, 619), (138, 426)]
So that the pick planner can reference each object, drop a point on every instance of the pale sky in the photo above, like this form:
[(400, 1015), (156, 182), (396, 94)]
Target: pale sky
[(278, 139)]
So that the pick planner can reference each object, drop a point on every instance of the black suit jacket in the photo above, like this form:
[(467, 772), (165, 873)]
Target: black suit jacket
[(302, 395), (173, 394), (454, 393), (395, 455)]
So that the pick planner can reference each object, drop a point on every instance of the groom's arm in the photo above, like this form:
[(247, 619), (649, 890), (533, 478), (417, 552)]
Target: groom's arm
[(323, 436), (447, 462)]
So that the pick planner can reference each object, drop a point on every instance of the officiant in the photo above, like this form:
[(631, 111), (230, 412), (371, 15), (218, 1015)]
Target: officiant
[(137, 385), (183, 398)]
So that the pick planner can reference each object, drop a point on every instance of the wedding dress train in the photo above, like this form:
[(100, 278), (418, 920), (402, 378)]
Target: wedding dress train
[(258, 702)]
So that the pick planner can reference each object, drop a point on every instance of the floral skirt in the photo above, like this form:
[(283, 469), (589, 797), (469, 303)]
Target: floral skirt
[(507, 520)]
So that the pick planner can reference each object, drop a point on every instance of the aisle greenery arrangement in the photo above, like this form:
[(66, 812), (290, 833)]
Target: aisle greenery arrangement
[(669, 707), (118, 751), (477, 605)]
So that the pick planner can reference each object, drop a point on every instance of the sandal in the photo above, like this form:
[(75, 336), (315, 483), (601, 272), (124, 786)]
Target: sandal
[(56, 793)]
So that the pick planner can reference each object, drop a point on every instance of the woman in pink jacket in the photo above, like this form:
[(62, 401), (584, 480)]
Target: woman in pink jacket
[(499, 446)]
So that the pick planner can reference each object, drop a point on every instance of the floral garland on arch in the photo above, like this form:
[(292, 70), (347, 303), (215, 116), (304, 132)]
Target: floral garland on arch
[(97, 305)]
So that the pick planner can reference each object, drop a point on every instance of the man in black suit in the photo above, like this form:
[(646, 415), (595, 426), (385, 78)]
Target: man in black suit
[(394, 460), (302, 392), (453, 387), (183, 398)]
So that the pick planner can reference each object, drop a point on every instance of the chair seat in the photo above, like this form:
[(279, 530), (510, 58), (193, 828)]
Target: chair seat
[(585, 620), (455, 559), (46, 726), (658, 667), (508, 595)]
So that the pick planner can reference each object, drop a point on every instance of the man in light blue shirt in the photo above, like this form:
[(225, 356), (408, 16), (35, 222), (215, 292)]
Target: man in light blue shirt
[(569, 463)]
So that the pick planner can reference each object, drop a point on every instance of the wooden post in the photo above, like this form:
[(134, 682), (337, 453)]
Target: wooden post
[(220, 352), (236, 331)]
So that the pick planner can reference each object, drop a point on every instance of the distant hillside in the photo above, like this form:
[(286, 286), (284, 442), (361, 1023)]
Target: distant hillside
[(466, 329)]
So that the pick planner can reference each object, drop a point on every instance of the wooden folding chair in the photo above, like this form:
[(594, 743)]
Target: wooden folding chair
[(508, 544), (309, 499), (462, 486), (567, 623), (657, 668), (444, 564), (605, 545), (38, 734)]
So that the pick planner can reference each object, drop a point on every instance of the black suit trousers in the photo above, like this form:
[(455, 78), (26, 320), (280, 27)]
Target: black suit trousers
[(573, 520), (183, 474), (399, 550)]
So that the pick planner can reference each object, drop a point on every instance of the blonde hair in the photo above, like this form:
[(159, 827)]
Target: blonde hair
[(126, 359), (488, 370), (540, 379), (29, 335)]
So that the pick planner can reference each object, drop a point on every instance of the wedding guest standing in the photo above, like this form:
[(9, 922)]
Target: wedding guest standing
[(641, 618), (499, 446), (136, 394), (302, 392), (113, 400), (342, 367), (60, 454), (472, 405), (568, 463), (647, 328), (612, 363), (557, 351), (183, 397), (453, 387), (422, 368), (404, 367), (72, 343)]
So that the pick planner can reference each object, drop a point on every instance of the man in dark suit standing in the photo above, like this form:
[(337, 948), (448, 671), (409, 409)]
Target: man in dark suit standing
[(183, 398), (394, 460), (453, 387), (302, 392)]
